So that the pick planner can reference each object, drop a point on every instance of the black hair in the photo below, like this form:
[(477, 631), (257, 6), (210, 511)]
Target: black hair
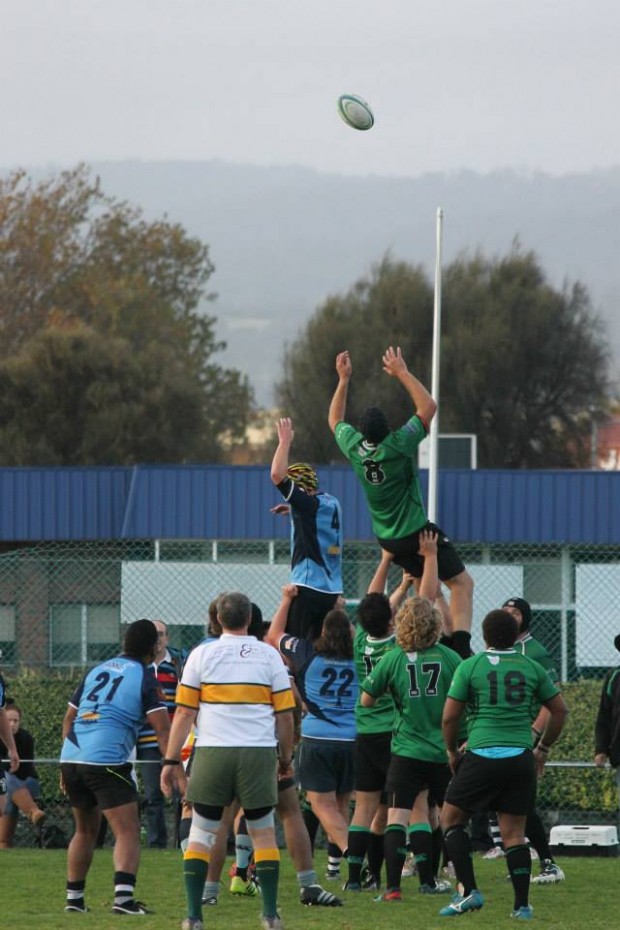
[(500, 629), (374, 614), (140, 639), (373, 425), (256, 622)]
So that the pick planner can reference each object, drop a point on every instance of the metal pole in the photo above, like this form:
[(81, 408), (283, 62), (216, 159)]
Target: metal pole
[(434, 434)]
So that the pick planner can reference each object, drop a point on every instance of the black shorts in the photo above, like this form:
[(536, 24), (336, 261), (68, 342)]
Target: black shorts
[(103, 786), (307, 612), (372, 760), (326, 765), (504, 785), (406, 554), (407, 777)]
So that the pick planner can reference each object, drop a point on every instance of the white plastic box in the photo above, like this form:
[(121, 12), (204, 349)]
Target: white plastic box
[(584, 841)]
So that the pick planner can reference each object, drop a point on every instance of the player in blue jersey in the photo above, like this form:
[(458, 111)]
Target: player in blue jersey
[(316, 538), (325, 676), (99, 732)]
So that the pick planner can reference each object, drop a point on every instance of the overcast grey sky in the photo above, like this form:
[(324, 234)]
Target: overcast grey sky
[(482, 84)]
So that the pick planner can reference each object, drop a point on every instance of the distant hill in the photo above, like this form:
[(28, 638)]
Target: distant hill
[(282, 239)]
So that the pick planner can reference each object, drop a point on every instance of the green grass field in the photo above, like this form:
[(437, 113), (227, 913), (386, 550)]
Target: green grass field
[(32, 895)]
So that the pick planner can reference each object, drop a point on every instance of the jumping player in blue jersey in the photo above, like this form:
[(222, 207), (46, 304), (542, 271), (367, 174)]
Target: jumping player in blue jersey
[(99, 732), (316, 538)]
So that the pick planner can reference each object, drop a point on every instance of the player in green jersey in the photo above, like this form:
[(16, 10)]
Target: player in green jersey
[(501, 689), (550, 872), (417, 674), (383, 462)]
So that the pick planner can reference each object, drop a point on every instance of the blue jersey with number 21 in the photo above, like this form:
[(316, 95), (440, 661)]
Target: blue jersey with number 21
[(111, 704)]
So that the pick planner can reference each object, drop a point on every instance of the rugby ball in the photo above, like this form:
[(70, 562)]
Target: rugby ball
[(355, 111)]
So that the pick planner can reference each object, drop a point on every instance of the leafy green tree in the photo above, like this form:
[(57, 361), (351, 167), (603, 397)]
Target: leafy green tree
[(522, 363), (78, 397), (394, 303), (81, 272)]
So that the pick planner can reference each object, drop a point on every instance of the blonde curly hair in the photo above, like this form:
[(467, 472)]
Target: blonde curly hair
[(417, 625)]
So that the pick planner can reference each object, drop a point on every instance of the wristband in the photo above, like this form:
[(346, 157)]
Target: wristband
[(543, 748), (285, 762), (170, 761)]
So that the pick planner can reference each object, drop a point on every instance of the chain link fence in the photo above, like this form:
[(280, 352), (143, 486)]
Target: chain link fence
[(63, 605)]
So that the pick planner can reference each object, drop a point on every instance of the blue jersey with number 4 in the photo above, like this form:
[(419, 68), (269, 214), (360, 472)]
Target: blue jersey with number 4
[(328, 687), (111, 703)]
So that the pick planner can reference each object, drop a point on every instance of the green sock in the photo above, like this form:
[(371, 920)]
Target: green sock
[(268, 874), (194, 874)]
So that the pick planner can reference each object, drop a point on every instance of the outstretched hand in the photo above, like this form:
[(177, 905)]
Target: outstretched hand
[(344, 366), (281, 509), (286, 433), (393, 362)]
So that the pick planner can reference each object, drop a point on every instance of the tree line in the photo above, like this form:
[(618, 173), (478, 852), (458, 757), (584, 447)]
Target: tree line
[(107, 355)]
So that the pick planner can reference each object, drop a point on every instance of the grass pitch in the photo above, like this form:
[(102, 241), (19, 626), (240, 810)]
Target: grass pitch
[(32, 895)]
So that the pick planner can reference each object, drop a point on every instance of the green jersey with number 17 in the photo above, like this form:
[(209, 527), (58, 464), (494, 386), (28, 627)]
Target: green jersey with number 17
[(503, 690), (368, 652), (418, 682)]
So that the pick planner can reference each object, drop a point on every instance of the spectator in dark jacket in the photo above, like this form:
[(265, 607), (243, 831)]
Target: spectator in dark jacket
[(607, 727)]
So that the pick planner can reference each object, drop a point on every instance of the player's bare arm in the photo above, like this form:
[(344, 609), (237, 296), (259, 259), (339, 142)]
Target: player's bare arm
[(338, 406), (395, 366), (280, 462)]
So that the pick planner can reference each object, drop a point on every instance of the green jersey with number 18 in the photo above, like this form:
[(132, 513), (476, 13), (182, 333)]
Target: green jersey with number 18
[(368, 652), (503, 690)]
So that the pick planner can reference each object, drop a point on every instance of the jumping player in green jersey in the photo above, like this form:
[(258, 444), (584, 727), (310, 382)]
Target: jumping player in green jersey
[(383, 462), (501, 690)]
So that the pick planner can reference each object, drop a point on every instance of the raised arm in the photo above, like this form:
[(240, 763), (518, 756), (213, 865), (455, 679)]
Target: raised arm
[(430, 577), (338, 405), (395, 366), (278, 622), (281, 456)]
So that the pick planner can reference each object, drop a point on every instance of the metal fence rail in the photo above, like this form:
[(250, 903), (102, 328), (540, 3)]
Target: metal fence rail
[(559, 774)]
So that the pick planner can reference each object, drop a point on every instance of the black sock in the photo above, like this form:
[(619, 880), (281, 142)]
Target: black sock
[(437, 847), (458, 845), (124, 887), (376, 854), (461, 643), (536, 834), (519, 864), (358, 838), (75, 892), (395, 841), (421, 842), (312, 823)]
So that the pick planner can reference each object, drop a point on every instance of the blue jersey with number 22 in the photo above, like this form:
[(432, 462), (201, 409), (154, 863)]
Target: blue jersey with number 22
[(111, 703), (328, 687)]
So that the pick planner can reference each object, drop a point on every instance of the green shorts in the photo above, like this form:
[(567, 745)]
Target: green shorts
[(222, 774)]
